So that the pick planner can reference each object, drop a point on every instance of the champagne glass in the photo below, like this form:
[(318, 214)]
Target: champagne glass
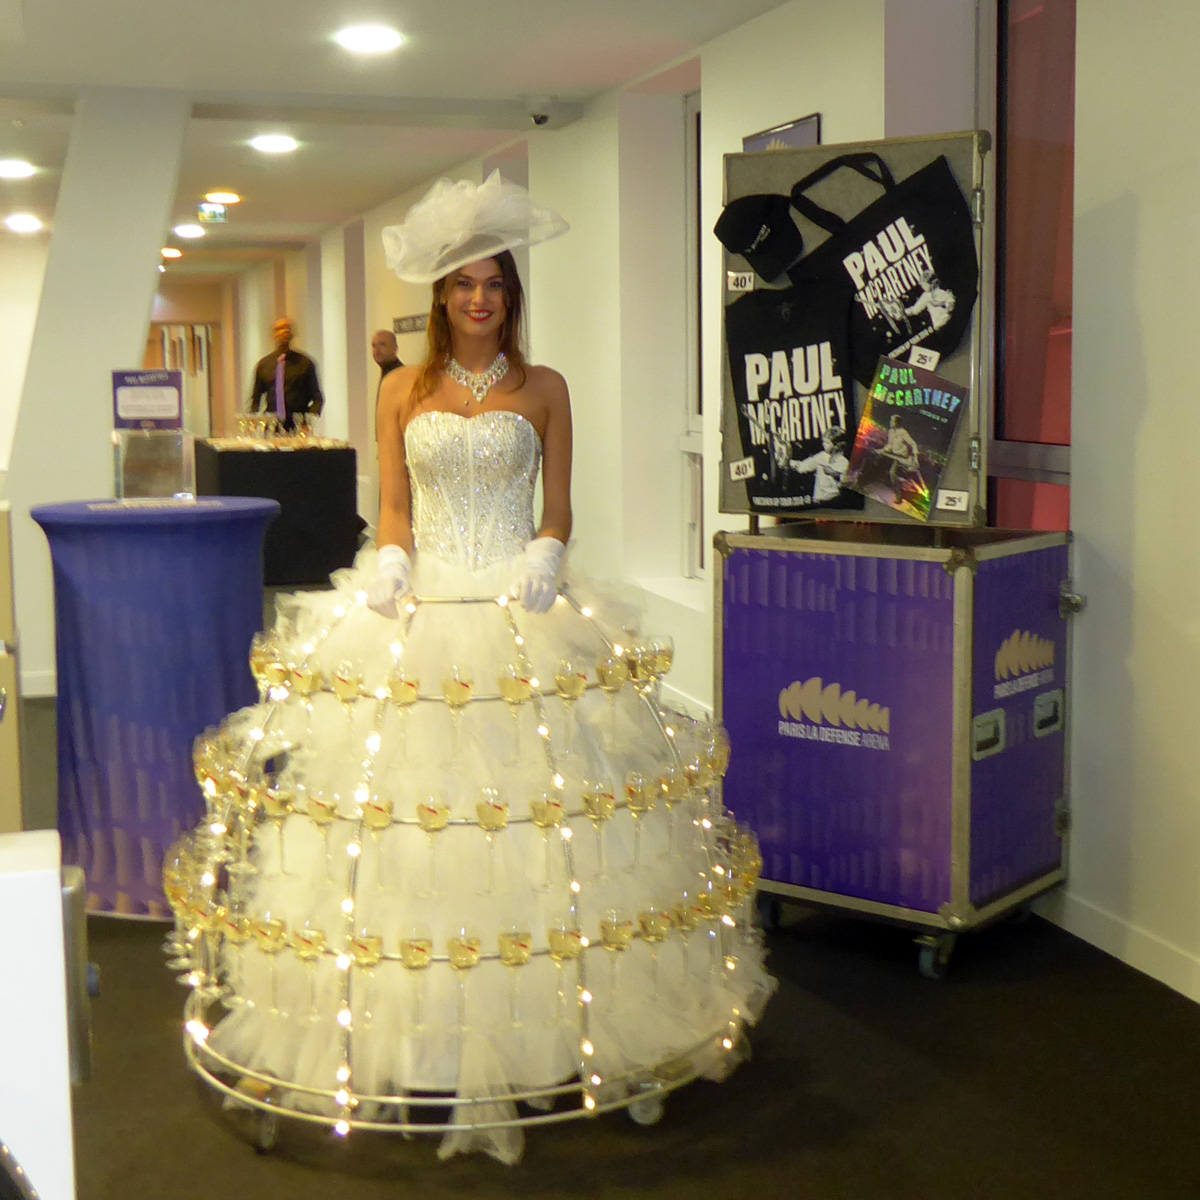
[(515, 689), (639, 797), (570, 682), (377, 817), (322, 810), (686, 917), (616, 933), (696, 771), (262, 652), (548, 813), (653, 924), (717, 750), (491, 811), (599, 803), (673, 787), (278, 802), (309, 945), (464, 950), (178, 871), (366, 951), (271, 934), (516, 945), (663, 650), (306, 681), (403, 688), (278, 670), (639, 661), (207, 763), (237, 929), (212, 918), (433, 814), (566, 945), (416, 953), (613, 673), (347, 687), (458, 685)]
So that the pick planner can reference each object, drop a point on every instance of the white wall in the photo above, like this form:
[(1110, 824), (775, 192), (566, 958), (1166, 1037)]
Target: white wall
[(256, 314), (22, 266), (575, 322), (1135, 854), (333, 332), (93, 313)]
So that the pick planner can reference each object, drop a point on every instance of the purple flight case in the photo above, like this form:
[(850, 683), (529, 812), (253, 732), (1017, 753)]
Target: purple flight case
[(896, 699)]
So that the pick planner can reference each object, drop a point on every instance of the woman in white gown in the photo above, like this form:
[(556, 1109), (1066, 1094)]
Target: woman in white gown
[(467, 860)]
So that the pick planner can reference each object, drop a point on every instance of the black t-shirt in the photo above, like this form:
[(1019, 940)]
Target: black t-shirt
[(789, 362)]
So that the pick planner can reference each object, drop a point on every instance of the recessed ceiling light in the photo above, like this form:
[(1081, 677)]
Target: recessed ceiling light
[(368, 39), (15, 168), (274, 143), (23, 223), (222, 197), (189, 231), (171, 252)]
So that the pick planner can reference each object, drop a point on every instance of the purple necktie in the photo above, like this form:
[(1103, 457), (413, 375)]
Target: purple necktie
[(280, 407)]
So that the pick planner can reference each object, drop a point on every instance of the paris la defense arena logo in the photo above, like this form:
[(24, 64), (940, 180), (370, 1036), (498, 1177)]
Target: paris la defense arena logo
[(1024, 661), (816, 711)]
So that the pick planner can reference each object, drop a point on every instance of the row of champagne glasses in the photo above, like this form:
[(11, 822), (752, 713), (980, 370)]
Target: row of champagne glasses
[(641, 664), (267, 426)]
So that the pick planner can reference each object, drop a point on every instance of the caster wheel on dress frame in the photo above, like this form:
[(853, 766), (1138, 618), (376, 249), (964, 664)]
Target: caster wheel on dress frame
[(934, 954), (646, 1111), (266, 1132)]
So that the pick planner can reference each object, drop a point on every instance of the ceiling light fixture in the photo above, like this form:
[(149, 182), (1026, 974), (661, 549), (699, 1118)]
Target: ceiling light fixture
[(171, 252), (274, 143), (23, 223), (368, 39), (15, 168), (189, 231), (222, 197)]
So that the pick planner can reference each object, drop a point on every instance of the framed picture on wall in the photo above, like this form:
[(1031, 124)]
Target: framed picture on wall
[(414, 324), (792, 135)]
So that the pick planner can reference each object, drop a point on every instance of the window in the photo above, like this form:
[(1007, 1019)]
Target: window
[(1029, 457), (692, 441)]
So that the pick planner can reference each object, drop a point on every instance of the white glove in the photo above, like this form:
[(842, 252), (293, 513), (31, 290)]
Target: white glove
[(390, 582), (534, 585)]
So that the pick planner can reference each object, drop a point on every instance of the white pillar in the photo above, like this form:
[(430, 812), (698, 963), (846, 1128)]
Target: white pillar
[(114, 204)]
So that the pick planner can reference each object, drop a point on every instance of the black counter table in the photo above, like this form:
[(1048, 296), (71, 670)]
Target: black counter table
[(317, 529)]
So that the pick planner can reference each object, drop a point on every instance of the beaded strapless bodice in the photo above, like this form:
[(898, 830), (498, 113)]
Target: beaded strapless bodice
[(472, 484)]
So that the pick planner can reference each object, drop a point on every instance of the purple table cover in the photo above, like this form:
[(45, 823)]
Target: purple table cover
[(155, 606)]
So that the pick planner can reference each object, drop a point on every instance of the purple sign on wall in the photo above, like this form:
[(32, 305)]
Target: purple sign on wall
[(147, 399), (838, 696)]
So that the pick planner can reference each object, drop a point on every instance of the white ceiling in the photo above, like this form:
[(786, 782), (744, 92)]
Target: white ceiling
[(463, 84)]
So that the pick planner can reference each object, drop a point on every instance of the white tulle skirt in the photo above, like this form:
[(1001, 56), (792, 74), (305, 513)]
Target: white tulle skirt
[(632, 959)]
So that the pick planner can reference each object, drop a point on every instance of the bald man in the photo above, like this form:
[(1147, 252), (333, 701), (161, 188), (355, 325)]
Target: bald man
[(285, 381), (383, 351)]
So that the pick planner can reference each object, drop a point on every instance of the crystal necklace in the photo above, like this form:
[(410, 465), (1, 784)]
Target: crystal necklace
[(479, 385)]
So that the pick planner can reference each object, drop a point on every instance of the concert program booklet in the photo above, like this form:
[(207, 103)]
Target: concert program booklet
[(904, 437)]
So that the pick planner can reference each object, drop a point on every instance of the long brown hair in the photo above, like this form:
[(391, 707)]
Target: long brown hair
[(437, 331)]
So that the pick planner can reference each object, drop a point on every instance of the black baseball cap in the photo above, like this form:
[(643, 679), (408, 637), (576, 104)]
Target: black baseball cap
[(760, 228)]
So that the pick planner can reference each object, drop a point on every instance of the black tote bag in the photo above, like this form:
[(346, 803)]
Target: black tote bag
[(905, 265), (794, 399)]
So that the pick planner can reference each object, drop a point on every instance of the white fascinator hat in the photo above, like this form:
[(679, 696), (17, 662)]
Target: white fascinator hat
[(456, 223)]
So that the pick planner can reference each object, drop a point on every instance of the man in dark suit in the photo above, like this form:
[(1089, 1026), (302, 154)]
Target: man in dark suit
[(285, 381), (383, 351)]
